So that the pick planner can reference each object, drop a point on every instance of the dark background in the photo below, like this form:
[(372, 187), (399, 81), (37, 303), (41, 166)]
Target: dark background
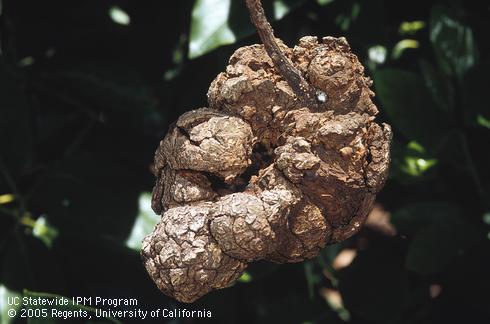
[(85, 99)]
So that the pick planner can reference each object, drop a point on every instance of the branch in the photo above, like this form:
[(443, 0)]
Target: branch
[(292, 75)]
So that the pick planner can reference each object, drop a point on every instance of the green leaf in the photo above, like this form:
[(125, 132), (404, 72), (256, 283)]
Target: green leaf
[(403, 45), (346, 20), (406, 101), (452, 41), (438, 234), (411, 163), (436, 245), (41, 229), (438, 85), (209, 26), (482, 121), (411, 218), (486, 218), (145, 221), (416, 167), (377, 54), (6, 198), (312, 278), (411, 27), (245, 277), (215, 23), (282, 7), (324, 2), (119, 16)]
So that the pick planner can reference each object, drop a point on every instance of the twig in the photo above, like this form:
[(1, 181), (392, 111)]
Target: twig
[(293, 76)]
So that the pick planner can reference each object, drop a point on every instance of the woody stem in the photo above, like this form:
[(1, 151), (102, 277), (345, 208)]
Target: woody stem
[(303, 90)]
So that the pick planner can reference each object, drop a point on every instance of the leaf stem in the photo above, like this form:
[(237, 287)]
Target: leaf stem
[(296, 81)]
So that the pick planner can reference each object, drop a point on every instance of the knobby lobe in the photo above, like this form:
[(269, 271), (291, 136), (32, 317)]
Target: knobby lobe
[(259, 175)]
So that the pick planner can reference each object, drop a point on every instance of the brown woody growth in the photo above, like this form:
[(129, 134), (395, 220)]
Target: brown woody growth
[(300, 86), (267, 171)]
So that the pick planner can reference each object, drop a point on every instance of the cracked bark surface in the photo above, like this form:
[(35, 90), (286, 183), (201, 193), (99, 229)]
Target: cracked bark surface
[(261, 175)]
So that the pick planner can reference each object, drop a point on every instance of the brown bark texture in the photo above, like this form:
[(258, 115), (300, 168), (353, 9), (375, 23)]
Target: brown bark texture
[(260, 174)]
